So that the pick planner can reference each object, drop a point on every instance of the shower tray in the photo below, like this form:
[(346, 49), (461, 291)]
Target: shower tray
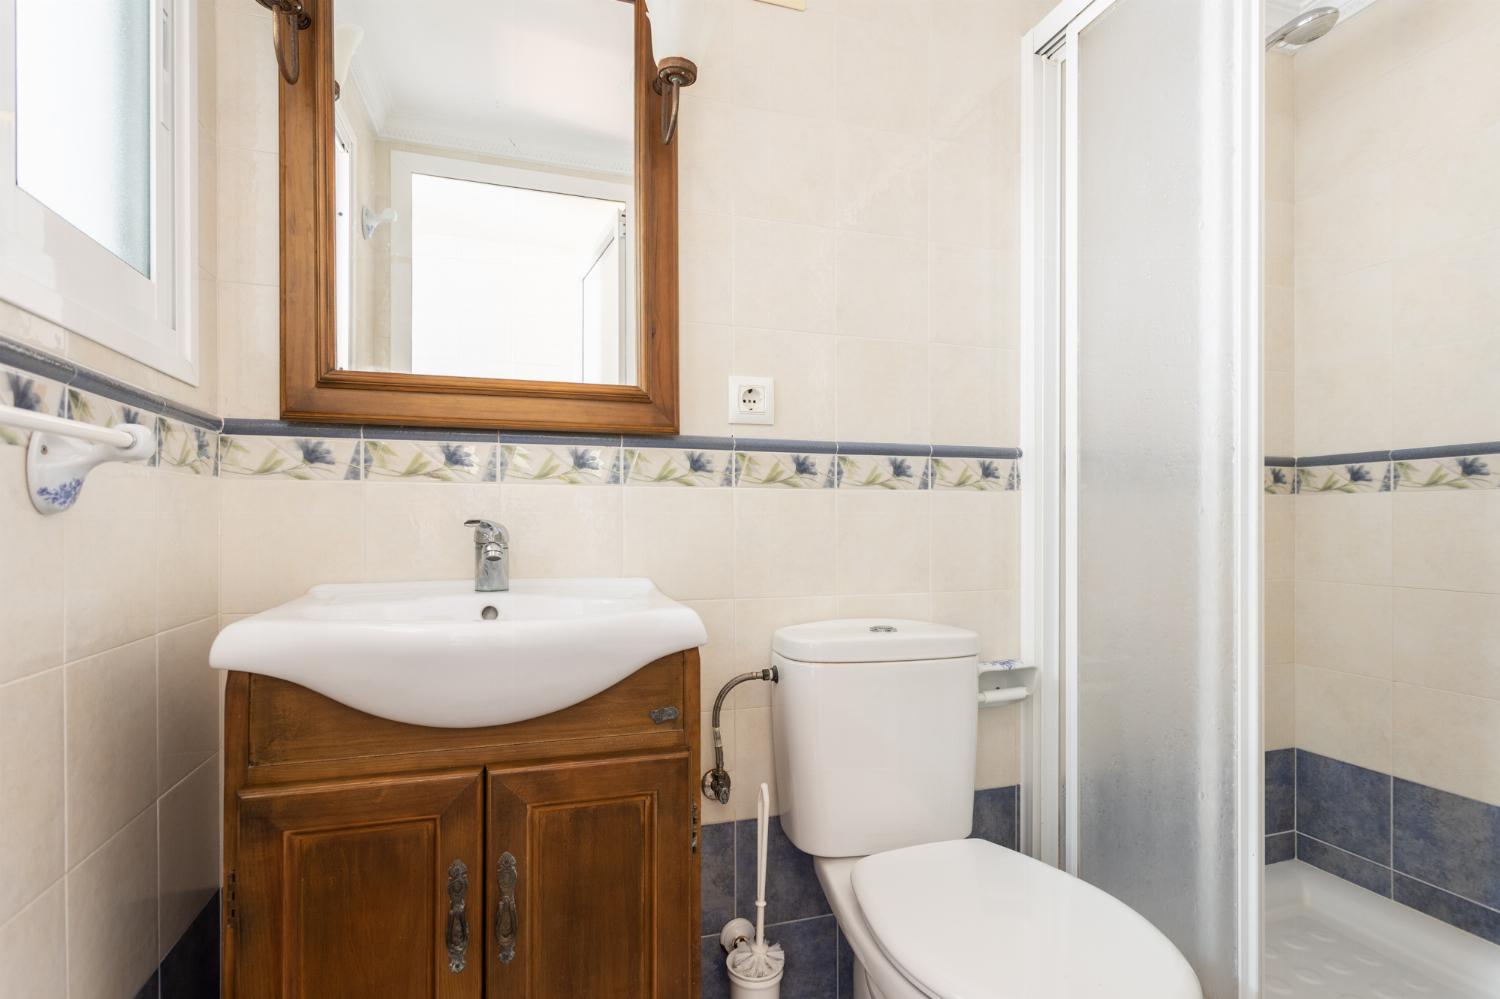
[(1328, 939)]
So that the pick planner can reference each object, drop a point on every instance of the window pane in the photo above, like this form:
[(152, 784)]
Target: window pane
[(83, 117)]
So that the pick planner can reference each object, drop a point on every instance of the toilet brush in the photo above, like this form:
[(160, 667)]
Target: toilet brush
[(756, 961)]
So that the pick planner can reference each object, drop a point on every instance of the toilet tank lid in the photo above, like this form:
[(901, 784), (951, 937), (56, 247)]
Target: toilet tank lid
[(873, 640)]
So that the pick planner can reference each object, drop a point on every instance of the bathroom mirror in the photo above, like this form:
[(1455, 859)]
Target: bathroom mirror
[(478, 218)]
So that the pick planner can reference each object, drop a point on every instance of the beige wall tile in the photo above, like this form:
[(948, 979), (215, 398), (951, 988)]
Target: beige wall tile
[(33, 949), (1344, 539), (249, 222), (246, 106), (993, 614), (1343, 405), (755, 625), (973, 296), (974, 395), (998, 762), (879, 84), (1448, 541), (416, 530), (802, 365), (902, 606), (1446, 296), (562, 530), (755, 760), (706, 154), (783, 542), (706, 267), (1345, 716), (976, 539), (782, 167), (187, 549), (1280, 705), (1280, 536), (1448, 741), (683, 539), (1464, 376), (1280, 628), (32, 830), (716, 659), (189, 851), (770, 36), (1345, 228), (783, 276), (881, 544), (111, 594), (882, 182), (111, 743), (280, 538), (31, 575), (1344, 626), (1447, 640), (187, 695), (882, 287), (900, 410), (249, 351), (706, 356), (112, 914)]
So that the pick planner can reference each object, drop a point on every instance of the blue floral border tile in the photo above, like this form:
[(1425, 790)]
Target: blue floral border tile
[(692, 467), (325, 459), (1460, 472), (873, 471), (785, 470), (428, 461), (1279, 480), (562, 464), (103, 412), (1361, 477), (181, 447), (27, 391), (977, 474)]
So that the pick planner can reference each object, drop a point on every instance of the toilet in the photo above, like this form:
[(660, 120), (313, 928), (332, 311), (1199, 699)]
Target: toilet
[(874, 725)]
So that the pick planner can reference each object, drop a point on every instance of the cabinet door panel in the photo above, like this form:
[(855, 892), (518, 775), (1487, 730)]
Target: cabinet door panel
[(603, 861), (343, 890)]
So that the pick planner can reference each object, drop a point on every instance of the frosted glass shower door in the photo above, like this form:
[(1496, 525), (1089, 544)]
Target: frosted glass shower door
[(1158, 489)]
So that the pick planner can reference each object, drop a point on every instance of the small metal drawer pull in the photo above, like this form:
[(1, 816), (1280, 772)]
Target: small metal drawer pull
[(663, 715), (457, 936), (507, 919)]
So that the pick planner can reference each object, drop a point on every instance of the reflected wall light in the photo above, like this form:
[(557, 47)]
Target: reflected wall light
[(346, 38), (680, 28)]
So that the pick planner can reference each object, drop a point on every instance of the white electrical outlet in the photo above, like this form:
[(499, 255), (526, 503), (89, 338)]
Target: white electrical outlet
[(752, 400)]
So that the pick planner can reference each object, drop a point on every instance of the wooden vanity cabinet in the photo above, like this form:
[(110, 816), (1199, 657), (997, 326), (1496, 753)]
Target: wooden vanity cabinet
[(554, 858)]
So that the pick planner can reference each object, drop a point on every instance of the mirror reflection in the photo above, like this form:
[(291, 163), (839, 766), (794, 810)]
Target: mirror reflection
[(484, 159)]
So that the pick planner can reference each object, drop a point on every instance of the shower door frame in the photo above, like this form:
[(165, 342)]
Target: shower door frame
[(1049, 434)]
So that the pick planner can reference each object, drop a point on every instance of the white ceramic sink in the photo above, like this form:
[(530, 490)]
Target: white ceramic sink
[(440, 654)]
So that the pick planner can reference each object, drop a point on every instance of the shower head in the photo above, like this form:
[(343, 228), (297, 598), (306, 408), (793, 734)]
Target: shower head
[(1308, 26)]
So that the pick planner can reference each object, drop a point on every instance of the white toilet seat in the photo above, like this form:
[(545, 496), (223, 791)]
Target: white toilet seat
[(967, 919)]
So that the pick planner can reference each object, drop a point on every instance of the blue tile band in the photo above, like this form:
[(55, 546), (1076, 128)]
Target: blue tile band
[(1432, 850)]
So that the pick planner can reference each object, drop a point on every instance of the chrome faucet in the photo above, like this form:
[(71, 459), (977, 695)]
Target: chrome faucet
[(491, 556)]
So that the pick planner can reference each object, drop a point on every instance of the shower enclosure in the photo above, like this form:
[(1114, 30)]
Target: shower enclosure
[(1382, 610), (1144, 444), (1326, 473)]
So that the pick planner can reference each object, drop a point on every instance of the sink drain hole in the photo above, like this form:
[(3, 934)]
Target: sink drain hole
[(489, 613)]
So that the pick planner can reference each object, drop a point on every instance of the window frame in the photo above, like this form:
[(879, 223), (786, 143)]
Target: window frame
[(405, 163), (50, 268)]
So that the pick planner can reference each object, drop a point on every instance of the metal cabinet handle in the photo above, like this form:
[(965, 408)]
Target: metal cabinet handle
[(457, 935), (507, 919)]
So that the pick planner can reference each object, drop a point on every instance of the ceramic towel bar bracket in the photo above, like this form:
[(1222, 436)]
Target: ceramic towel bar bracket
[(62, 452), (1014, 676)]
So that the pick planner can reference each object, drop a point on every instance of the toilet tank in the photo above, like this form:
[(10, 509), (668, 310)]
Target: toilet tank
[(873, 726)]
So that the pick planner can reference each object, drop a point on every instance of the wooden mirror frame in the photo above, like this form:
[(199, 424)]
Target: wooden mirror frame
[(313, 387)]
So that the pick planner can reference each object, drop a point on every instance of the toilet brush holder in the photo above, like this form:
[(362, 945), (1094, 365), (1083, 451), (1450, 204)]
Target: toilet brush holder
[(754, 988)]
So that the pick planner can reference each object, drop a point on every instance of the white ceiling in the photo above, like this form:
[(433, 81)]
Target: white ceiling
[(1278, 12), (547, 81)]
